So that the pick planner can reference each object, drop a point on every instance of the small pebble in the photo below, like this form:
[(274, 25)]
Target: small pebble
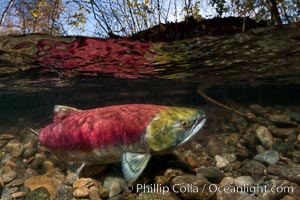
[(37, 162), (243, 181), (257, 109), (30, 173), (5, 136), (212, 174), (242, 151), (56, 175), (39, 193), (253, 168), (6, 194), (64, 192), (115, 185), (288, 197), (103, 192), (2, 143), (232, 139), (270, 157), (83, 182), (6, 157), (172, 173), (276, 170), (227, 181), (18, 195), (282, 132), (264, 136), (42, 181), (24, 189), (295, 116), (94, 194), (1, 183), (8, 175), (292, 138), (193, 163), (17, 182), (260, 149), (240, 123), (291, 173), (236, 165), (216, 147), (81, 192), (29, 153), (221, 162), (10, 163), (29, 142), (13, 189), (230, 157), (161, 180), (283, 147), (15, 148), (298, 139), (283, 121), (69, 177), (47, 165)]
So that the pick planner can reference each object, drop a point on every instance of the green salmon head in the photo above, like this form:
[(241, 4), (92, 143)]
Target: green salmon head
[(172, 127)]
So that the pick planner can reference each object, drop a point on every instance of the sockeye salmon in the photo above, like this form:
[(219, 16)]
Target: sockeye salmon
[(124, 133)]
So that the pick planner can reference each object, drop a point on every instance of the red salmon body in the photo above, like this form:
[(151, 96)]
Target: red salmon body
[(130, 134), (99, 128)]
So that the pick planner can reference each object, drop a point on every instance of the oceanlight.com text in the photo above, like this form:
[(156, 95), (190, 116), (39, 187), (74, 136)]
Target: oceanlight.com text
[(212, 188), (254, 189)]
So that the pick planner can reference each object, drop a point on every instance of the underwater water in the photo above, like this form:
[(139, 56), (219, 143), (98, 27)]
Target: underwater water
[(230, 149), (27, 101)]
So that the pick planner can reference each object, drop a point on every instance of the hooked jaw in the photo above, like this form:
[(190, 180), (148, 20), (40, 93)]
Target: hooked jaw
[(194, 129)]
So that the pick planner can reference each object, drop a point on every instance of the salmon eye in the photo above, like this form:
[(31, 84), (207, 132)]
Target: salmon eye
[(183, 124)]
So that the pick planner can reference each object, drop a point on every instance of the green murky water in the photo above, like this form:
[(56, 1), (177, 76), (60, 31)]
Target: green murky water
[(26, 101)]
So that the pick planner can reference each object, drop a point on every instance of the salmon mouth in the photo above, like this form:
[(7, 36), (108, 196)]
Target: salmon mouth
[(193, 130)]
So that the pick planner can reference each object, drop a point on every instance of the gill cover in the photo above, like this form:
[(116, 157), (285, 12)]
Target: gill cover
[(172, 127)]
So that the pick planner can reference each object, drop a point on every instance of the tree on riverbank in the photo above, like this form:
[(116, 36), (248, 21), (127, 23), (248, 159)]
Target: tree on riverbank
[(32, 16), (126, 17)]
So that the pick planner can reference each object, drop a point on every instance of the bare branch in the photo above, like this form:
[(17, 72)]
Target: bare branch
[(248, 116), (10, 3)]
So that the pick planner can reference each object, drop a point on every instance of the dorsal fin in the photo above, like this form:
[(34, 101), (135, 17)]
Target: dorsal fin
[(61, 111)]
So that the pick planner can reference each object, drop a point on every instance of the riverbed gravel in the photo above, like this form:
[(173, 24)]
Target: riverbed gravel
[(230, 159)]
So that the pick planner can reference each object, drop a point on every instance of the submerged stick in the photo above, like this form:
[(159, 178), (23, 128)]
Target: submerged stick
[(248, 116), (77, 173), (33, 131)]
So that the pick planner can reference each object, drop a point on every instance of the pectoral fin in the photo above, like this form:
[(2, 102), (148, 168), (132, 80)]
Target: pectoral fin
[(133, 165)]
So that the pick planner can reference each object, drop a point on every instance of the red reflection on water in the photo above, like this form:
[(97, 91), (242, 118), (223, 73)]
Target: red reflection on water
[(91, 56)]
